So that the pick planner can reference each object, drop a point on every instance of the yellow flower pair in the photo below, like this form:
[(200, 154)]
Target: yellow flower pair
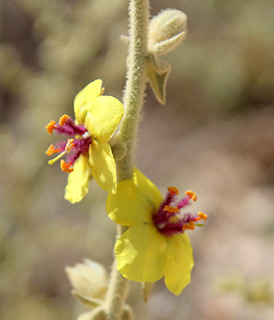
[(155, 244)]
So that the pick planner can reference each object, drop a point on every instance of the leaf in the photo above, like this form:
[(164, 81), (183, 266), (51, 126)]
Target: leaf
[(158, 72)]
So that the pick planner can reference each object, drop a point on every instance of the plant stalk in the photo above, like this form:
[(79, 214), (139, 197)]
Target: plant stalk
[(127, 134), (135, 86)]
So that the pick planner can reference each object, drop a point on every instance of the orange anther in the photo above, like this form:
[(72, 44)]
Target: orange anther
[(65, 166), (50, 126), (202, 215), (63, 119), (173, 190), (69, 145), (192, 195), (188, 226), (51, 150), (171, 209)]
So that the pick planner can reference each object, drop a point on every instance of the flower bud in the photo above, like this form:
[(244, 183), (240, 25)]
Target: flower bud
[(127, 313), (166, 31), (89, 279), (97, 314)]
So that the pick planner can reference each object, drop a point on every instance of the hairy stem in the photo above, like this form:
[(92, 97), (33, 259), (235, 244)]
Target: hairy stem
[(117, 290), (126, 137), (135, 85)]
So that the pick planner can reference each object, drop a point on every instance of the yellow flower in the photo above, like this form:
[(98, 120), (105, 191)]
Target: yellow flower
[(155, 244), (87, 150)]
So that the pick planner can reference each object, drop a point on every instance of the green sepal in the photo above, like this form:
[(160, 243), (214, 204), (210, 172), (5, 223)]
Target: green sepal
[(97, 314), (158, 71), (167, 45), (88, 301), (146, 290)]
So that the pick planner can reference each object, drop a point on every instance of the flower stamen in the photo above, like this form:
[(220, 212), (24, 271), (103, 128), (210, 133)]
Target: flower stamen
[(63, 119), (50, 126), (78, 141), (171, 209), (51, 150), (189, 226), (66, 167), (70, 144), (191, 194), (169, 219), (173, 190), (202, 215)]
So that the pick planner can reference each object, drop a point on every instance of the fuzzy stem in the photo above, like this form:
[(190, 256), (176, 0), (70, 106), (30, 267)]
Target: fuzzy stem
[(135, 85), (117, 290), (133, 102)]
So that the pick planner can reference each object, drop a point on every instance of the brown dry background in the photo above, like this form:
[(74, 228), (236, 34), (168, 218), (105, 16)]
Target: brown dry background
[(215, 136)]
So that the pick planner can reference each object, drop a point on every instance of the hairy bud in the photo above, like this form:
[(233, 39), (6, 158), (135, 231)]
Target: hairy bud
[(97, 314), (89, 280), (127, 313), (166, 31)]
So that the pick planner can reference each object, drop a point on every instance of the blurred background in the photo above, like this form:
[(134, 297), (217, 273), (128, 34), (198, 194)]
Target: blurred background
[(215, 136)]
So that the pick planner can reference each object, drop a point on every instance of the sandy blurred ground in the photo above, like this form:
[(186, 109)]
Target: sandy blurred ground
[(215, 136)]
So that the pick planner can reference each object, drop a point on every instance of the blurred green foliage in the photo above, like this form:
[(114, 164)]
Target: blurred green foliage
[(255, 290)]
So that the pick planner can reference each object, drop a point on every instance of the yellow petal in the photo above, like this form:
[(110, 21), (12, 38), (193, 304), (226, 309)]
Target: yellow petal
[(141, 254), (103, 117), (85, 97), (180, 264), (128, 207), (78, 180), (103, 165), (148, 189)]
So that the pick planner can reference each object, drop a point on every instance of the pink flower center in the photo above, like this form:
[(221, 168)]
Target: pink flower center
[(77, 143), (169, 220)]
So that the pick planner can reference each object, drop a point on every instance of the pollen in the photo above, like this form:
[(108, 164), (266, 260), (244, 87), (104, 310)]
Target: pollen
[(66, 167), (173, 190), (51, 150), (63, 119), (189, 226), (192, 195), (69, 145), (171, 209), (202, 216), (50, 126)]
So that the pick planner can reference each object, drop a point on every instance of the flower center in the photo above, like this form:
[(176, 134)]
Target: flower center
[(169, 220), (77, 143)]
